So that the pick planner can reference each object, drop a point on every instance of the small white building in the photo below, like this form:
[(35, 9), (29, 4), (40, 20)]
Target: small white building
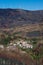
[(11, 43), (18, 42), (14, 44), (2, 47)]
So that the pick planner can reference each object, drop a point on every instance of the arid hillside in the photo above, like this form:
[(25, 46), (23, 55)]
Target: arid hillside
[(21, 36), (10, 18)]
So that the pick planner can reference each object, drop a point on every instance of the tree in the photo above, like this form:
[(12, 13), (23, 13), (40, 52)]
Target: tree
[(36, 56), (5, 40)]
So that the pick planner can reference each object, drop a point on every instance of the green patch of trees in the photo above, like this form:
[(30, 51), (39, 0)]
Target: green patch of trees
[(5, 40), (34, 41)]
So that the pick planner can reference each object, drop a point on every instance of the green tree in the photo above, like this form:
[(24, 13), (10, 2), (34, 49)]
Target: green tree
[(36, 56), (5, 41)]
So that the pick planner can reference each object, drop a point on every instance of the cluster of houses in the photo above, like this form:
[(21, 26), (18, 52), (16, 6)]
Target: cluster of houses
[(13, 46), (24, 44)]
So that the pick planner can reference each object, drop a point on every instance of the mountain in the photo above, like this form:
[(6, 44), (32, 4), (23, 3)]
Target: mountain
[(29, 23), (19, 24), (19, 17)]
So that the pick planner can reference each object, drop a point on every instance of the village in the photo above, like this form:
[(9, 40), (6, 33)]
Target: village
[(13, 46)]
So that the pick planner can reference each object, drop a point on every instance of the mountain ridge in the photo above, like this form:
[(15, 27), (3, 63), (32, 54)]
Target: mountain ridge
[(27, 23), (16, 17)]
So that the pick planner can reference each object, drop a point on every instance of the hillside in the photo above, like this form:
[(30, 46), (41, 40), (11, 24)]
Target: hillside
[(17, 17), (21, 37), (24, 21)]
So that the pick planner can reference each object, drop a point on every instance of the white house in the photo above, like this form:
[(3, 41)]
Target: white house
[(2, 47), (11, 43), (18, 42)]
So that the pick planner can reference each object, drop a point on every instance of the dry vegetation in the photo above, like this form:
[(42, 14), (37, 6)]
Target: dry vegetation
[(19, 24)]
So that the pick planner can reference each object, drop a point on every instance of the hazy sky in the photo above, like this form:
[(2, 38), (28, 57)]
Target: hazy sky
[(22, 4)]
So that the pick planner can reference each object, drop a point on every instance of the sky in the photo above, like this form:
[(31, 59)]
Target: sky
[(22, 4)]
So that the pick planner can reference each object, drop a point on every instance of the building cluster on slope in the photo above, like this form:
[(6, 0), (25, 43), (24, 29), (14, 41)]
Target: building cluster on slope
[(24, 44), (13, 46)]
